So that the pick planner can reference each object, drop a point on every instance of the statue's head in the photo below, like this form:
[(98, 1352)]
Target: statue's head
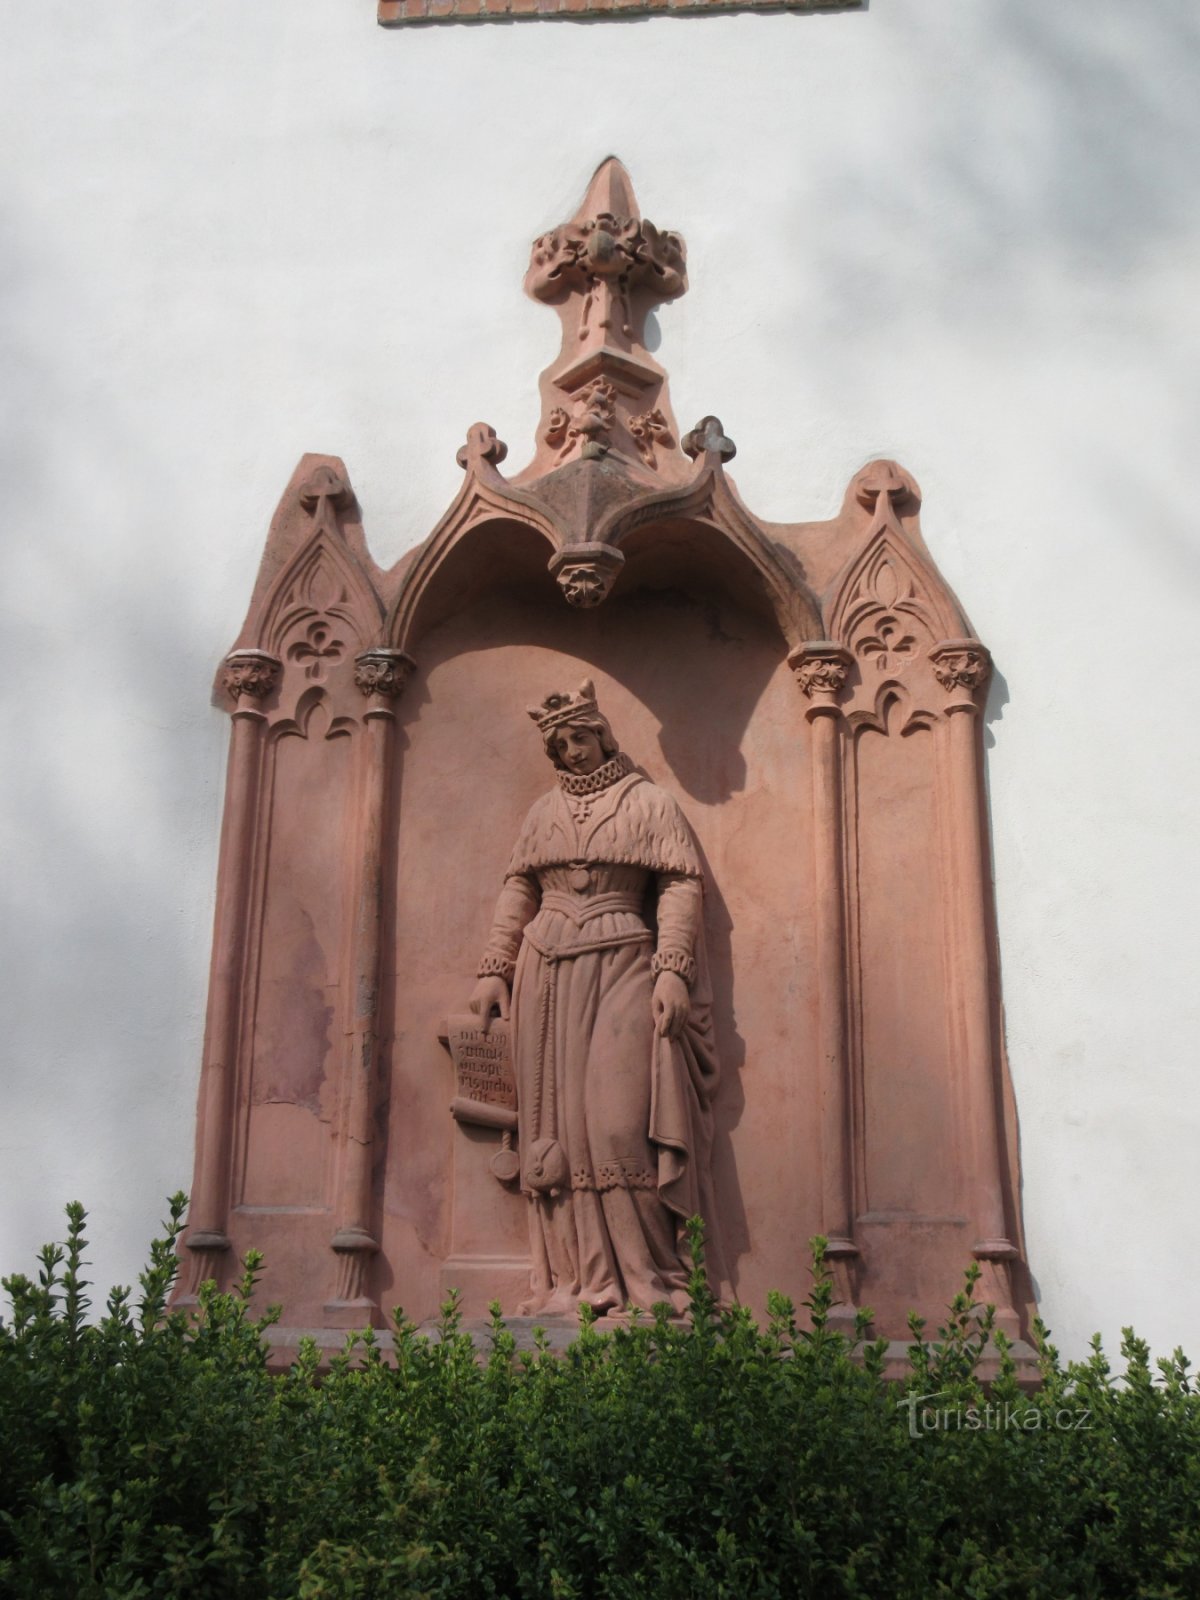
[(577, 738)]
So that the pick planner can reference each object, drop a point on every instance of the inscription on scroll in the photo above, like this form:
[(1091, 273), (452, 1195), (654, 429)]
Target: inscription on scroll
[(485, 1084)]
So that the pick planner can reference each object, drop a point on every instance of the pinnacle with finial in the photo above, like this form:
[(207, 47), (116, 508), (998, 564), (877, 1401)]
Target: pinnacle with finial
[(603, 272)]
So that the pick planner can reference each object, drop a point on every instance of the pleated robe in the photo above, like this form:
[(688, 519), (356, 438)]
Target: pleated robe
[(614, 1122)]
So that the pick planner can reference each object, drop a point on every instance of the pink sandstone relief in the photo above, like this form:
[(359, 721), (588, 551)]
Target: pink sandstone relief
[(615, 857)]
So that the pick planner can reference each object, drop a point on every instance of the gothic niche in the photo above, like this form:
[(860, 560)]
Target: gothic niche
[(740, 960)]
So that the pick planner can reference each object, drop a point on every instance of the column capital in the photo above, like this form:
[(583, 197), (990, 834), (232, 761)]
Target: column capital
[(251, 674), (821, 668), (383, 672), (962, 667)]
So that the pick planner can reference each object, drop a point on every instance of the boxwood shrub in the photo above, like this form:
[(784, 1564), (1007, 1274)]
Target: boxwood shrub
[(151, 1453)]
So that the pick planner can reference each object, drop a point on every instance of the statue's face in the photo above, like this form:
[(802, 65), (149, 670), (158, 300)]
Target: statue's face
[(578, 749)]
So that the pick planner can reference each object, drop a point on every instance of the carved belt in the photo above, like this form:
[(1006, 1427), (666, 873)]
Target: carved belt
[(565, 952), (582, 908)]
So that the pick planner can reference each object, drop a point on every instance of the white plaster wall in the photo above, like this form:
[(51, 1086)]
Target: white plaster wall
[(963, 234)]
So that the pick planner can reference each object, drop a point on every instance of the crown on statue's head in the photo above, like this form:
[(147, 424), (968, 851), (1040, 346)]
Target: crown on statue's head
[(557, 709)]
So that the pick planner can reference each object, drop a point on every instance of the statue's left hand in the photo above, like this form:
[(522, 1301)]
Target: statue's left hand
[(671, 1005)]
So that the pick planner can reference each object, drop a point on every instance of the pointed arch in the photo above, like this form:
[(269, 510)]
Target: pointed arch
[(711, 500), (890, 607), (892, 699), (314, 716), (321, 609), (484, 499)]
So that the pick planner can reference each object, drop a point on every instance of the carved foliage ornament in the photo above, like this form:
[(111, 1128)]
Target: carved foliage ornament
[(820, 668), (607, 256), (585, 573), (251, 672), (961, 664), (591, 419), (647, 430), (383, 672)]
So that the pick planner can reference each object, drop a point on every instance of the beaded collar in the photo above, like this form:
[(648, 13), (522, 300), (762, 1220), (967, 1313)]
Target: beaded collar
[(612, 771)]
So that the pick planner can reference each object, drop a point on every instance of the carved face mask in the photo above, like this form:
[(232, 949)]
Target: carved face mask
[(584, 585)]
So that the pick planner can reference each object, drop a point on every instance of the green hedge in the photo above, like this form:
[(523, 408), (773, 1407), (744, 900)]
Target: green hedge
[(144, 1454)]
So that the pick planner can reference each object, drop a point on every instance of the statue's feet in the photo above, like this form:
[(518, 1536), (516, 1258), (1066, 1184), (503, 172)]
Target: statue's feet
[(601, 1300), (559, 1302), (565, 1302)]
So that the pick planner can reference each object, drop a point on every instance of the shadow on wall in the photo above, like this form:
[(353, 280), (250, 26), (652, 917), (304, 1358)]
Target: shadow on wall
[(1045, 178), (1077, 132), (103, 1025)]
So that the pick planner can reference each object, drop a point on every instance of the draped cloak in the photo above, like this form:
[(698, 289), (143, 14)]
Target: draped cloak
[(604, 889)]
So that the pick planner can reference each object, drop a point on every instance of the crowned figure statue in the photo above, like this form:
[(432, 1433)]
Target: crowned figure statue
[(596, 956)]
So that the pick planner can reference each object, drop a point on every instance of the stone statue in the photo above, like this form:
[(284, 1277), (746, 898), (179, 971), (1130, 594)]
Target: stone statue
[(598, 937)]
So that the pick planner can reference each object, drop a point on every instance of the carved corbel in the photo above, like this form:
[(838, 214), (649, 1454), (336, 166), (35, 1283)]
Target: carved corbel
[(821, 668), (251, 674), (962, 667), (382, 674), (586, 572)]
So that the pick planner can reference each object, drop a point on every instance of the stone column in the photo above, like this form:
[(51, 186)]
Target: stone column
[(962, 667), (381, 675), (821, 667), (250, 675)]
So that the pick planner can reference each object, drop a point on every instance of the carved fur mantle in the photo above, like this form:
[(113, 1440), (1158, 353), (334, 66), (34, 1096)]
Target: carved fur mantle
[(631, 823)]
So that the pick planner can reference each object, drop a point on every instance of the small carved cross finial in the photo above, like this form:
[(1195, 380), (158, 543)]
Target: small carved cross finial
[(324, 494), (482, 446), (708, 439), (884, 478)]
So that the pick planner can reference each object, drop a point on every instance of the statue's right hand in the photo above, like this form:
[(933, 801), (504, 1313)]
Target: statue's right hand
[(491, 995)]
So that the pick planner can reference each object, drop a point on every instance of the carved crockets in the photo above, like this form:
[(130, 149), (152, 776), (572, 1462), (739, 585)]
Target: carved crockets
[(808, 696)]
